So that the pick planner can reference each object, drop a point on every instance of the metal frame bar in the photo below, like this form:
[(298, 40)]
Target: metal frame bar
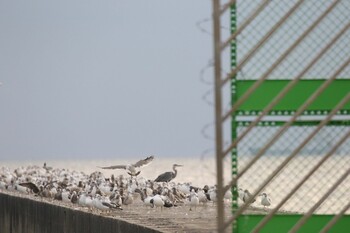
[(265, 220), (288, 123), (289, 158), (302, 221), (226, 6), (218, 111)]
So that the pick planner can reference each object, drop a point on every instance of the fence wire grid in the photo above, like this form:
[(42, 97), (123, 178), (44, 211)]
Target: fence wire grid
[(290, 67)]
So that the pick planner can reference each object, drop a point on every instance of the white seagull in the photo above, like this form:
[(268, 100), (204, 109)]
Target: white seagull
[(157, 201), (132, 167), (265, 200), (240, 193), (144, 197), (202, 197), (247, 196), (194, 200)]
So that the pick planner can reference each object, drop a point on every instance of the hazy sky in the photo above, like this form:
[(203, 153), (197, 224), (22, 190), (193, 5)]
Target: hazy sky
[(103, 78)]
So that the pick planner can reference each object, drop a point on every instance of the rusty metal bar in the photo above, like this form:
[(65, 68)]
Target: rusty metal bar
[(245, 23), (218, 111), (226, 6), (262, 41), (306, 216), (285, 90), (335, 219), (305, 178), (289, 158), (246, 95), (288, 123)]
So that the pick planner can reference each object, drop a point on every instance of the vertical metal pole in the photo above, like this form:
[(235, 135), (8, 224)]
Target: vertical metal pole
[(234, 153), (218, 123)]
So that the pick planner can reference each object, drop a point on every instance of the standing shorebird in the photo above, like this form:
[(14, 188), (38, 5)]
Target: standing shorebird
[(157, 201), (265, 200), (240, 194), (194, 200), (168, 176), (247, 196), (132, 167)]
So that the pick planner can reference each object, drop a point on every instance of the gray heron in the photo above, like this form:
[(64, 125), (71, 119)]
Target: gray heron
[(132, 167), (168, 176)]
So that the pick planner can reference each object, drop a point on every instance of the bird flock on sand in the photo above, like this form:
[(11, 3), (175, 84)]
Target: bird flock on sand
[(97, 192)]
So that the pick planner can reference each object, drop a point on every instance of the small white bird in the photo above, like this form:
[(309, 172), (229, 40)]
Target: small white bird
[(89, 202), (128, 198), (202, 197), (144, 197), (66, 196), (103, 203), (82, 199), (3, 185), (157, 201), (116, 198), (194, 201), (265, 200), (247, 196), (21, 189), (240, 193), (228, 196), (212, 195), (98, 203)]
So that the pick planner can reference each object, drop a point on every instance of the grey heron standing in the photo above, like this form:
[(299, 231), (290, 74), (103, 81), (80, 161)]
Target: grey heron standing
[(168, 176), (132, 167)]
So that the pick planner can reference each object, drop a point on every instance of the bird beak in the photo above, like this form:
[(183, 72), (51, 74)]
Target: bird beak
[(180, 165)]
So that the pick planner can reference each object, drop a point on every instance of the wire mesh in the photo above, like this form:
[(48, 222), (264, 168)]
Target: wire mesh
[(296, 170), (287, 34), (307, 158)]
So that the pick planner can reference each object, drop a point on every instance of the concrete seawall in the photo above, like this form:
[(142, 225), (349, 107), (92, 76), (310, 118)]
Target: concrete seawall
[(23, 215)]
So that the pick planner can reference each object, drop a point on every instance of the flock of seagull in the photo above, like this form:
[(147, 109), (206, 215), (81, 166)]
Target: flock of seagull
[(95, 191)]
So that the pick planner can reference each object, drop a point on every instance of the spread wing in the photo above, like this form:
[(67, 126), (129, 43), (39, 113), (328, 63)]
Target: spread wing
[(31, 186), (115, 167), (144, 162)]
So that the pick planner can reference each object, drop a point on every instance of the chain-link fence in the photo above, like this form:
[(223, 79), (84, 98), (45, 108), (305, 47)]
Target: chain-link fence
[(290, 82), (299, 58), (307, 158)]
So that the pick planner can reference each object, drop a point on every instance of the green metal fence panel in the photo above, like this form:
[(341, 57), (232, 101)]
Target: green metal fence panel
[(294, 98), (283, 223), (295, 135)]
